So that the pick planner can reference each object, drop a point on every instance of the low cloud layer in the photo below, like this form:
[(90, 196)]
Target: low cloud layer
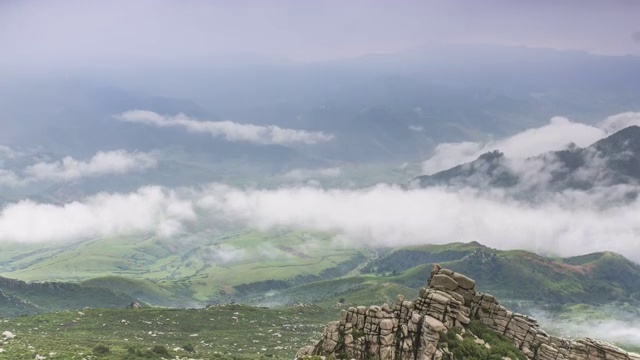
[(554, 136), (618, 327), (568, 223), (103, 163), (150, 209), (231, 131)]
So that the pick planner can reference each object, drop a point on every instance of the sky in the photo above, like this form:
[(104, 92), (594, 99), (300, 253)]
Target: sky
[(73, 32)]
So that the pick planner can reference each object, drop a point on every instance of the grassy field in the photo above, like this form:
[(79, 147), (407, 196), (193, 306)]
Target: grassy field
[(231, 331)]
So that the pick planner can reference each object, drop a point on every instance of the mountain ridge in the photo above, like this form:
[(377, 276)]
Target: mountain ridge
[(613, 160)]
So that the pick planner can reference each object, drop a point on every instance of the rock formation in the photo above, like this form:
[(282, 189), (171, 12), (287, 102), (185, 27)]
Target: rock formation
[(411, 330)]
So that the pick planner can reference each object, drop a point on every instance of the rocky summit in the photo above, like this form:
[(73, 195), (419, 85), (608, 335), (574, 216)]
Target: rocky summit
[(417, 330)]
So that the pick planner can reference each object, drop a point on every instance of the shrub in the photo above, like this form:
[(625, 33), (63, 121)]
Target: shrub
[(101, 350), (160, 350)]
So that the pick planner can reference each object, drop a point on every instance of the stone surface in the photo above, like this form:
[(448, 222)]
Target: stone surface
[(410, 330)]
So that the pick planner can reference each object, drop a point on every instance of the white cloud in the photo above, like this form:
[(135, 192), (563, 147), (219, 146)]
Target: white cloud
[(9, 153), (8, 178), (554, 136), (150, 209), (232, 131), (620, 121), (619, 326), (227, 255), (102, 163), (567, 223)]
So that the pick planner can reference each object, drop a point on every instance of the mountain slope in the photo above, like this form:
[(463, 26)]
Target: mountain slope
[(19, 298), (597, 278), (195, 270)]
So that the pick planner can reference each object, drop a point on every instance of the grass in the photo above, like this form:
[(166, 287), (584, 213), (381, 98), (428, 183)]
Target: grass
[(348, 291), (500, 346), (231, 331)]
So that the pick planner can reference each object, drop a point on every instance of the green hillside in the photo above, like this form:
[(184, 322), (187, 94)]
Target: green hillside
[(20, 298), (175, 272), (281, 269), (596, 278)]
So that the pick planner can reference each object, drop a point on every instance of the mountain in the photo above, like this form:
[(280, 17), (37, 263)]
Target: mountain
[(613, 160), (21, 298)]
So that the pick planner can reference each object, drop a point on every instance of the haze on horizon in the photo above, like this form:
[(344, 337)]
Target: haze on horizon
[(72, 33)]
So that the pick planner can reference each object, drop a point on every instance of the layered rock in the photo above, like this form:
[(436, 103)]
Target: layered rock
[(411, 330)]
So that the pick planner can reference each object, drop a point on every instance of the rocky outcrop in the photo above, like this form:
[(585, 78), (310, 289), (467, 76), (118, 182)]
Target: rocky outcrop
[(411, 330)]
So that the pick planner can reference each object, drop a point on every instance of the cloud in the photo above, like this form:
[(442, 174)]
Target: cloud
[(150, 209), (636, 37), (9, 178), (232, 131), (620, 121), (9, 153), (619, 326), (227, 255), (554, 136), (568, 223), (102, 163)]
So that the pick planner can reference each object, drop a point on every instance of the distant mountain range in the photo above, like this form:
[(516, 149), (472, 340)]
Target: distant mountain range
[(611, 161), (348, 276)]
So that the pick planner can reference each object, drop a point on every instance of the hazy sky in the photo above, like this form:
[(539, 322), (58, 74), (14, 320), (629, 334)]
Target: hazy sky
[(126, 32)]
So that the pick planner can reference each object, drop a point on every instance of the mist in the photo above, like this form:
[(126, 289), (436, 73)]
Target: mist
[(103, 163), (568, 223), (608, 323)]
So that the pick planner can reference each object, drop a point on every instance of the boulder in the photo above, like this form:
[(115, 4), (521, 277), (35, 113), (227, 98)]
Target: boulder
[(464, 282), (444, 281)]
